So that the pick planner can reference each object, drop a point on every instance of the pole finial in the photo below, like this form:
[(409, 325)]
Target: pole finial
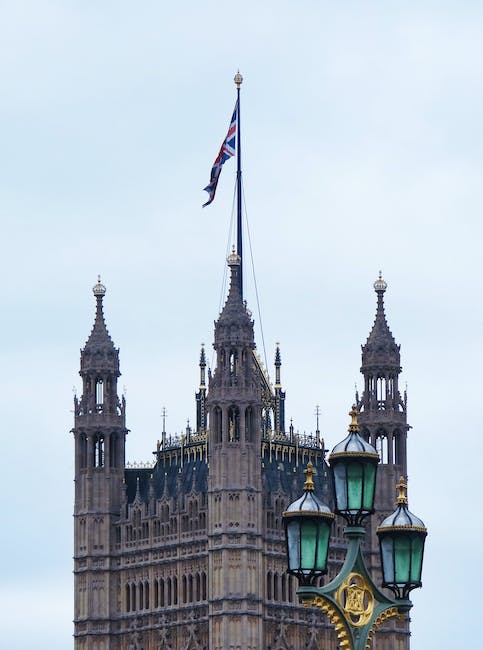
[(238, 79), (402, 497), (309, 473), (353, 426)]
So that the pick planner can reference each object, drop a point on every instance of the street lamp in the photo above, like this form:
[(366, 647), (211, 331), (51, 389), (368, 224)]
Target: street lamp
[(354, 604), (307, 528)]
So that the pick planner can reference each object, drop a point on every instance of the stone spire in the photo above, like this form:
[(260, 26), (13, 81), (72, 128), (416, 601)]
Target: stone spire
[(234, 312), (99, 348), (99, 363), (381, 349)]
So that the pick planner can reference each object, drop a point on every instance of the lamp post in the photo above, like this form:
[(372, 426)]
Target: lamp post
[(352, 601)]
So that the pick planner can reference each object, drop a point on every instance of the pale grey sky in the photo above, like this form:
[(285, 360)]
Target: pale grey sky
[(362, 150)]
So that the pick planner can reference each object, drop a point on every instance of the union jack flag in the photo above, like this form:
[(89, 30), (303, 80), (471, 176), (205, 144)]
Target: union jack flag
[(227, 151)]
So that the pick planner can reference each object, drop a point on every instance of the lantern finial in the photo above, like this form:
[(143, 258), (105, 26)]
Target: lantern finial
[(309, 481), (402, 497), (354, 426)]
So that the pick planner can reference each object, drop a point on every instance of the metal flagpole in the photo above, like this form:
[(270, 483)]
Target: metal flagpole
[(239, 236)]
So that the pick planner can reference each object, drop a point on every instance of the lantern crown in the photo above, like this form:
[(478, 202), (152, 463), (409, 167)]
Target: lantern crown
[(354, 443), (402, 517)]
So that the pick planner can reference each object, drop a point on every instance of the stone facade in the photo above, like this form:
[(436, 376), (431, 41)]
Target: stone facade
[(189, 554)]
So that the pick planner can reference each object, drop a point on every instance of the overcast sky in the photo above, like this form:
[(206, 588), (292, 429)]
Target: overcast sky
[(362, 150)]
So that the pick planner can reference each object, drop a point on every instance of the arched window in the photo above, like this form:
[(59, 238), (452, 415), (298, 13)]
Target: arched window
[(161, 592), (156, 593), (190, 588), (175, 590), (217, 424), (249, 425), (185, 590), (233, 424), (83, 451), (275, 586), (99, 394), (233, 367), (169, 598), (269, 585), (146, 595), (128, 598), (203, 585), (113, 454), (290, 589), (284, 588), (98, 450), (198, 587), (133, 598), (141, 595)]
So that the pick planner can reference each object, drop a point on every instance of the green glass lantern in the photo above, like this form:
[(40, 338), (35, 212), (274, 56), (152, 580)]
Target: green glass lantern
[(401, 539), (354, 465), (307, 524)]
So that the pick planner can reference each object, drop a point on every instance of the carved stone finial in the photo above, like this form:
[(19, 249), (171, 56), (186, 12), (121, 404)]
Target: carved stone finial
[(238, 79), (99, 289), (380, 284)]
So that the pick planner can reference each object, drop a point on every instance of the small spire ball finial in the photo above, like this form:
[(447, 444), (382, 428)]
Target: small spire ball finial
[(233, 259), (380, 284), (238, 79), (99, 289)]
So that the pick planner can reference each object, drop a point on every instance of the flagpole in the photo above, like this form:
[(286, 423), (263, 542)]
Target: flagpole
[(239, 232)]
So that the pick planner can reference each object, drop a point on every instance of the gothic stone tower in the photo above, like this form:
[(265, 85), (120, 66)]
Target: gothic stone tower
[(234, 406), (187, 552), (383, 421), (99, 435)]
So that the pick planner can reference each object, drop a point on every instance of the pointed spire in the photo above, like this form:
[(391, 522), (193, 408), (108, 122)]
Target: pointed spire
[(235, 310), (278, 365), (381, 347), (99, 336), (137, 498), (202, 367), (100, 354)]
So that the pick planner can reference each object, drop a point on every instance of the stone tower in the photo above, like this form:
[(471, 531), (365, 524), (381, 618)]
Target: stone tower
[(99, 435), (383, 417), (234, 484), (383, 422), (187, 552)]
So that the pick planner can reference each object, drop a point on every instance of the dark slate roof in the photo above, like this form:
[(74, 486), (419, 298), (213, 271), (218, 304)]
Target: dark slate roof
[(287, 478), (277, 477), (167, 480)]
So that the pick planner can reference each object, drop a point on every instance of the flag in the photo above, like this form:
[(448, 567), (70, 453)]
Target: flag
[(227, 151)]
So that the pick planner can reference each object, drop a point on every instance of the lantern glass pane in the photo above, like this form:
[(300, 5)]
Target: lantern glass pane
[(293, 540), (417, 558), (369, 485), (340, 486), (387, 552), (309, 544), (354, 486), (402, 559), (323, 545)]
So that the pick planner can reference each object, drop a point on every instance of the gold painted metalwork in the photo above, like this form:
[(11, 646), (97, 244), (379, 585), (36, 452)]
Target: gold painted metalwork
[(383, 616), (354, 426), (309, 473), (356, 599), (402, 497), (335, 618)]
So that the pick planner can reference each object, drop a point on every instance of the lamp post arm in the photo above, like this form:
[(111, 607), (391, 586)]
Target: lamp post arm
[(351, 600)]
